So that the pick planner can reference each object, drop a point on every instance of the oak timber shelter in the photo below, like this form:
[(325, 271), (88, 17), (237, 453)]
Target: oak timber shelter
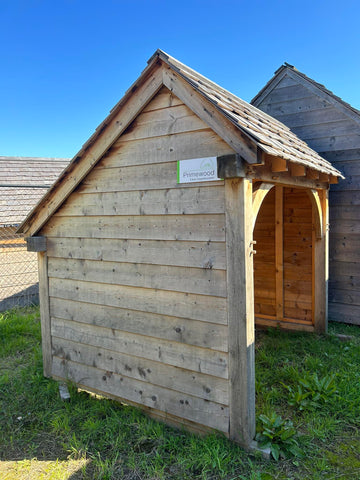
[(147, 284), (332, 128)]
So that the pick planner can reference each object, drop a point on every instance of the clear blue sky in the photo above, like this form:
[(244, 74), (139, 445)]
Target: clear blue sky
[(65, 63)]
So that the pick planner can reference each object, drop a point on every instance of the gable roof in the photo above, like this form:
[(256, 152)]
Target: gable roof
[(315, 87), (249, 131), (23, 182)]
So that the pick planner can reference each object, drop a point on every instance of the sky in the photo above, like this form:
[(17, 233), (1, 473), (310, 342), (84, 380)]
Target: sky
[(66, 63)]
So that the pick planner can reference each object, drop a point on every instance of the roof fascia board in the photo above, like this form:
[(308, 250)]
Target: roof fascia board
[(136, 98), (210, 114)]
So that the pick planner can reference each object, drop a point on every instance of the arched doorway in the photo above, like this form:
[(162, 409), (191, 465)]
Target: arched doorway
[(288, 221)]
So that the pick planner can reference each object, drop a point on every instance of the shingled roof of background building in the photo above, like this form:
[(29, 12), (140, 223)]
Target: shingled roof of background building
[(23, 182)]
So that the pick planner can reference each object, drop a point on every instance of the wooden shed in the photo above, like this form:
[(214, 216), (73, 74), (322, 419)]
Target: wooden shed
[(146, 250), (332, 128)]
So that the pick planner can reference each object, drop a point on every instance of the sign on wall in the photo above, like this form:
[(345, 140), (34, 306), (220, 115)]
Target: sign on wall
[(197, 170)]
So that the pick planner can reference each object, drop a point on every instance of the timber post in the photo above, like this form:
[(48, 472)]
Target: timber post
[(240, 298)]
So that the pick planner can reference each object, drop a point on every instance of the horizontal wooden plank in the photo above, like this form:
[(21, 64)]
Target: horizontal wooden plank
[(204, 281), (189, 357), (182, 146), (345, 247), (344, 313), (163, 99), (345, 227), (349, 167), (312, 117), (346, 212), (180, 404), (340, 142), (159, 176), (154, 227), (345, 282), (343, 268), (288, 93), (177, 201), (294, 106), (349, 297), (156, 252), (342, 155), (169, 121), (192, 332), (211, 388), (351, 182), (343, 198), (328, 129), (175, 304)]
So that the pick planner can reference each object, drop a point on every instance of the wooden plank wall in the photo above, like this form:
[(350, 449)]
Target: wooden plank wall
[(297, 255), (283, 260), (264, 260), (333, 132), (137, 273)]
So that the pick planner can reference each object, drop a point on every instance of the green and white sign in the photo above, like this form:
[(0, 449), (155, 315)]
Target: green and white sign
[(197, 170)]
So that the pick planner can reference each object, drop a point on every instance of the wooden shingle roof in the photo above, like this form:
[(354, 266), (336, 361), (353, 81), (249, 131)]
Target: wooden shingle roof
[(270, 135), (246, 129), (23, 182)]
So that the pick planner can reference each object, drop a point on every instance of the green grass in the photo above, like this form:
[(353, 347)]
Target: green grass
[(95, 438)]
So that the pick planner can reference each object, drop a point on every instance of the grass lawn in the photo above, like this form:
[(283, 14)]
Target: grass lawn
[(42, 437)]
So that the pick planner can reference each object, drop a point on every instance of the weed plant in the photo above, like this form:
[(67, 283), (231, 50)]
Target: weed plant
[(96, 438)]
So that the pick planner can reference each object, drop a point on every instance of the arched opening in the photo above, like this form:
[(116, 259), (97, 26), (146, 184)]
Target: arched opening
[(288, 222)]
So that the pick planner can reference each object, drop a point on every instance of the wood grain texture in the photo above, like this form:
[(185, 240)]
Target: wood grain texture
[(240, 309), (176, 201), (45, 312), (182, 330), (181, 355), (150, 227), (185, 305), (197, 254), (183, 405), (200, 385), (180, 279)]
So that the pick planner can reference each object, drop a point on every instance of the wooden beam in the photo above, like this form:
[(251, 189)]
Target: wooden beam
[(333, 179), (279, 251), (278, 164), (45, 313), (240, 308), (297, 170), (317, 211), (230, 166), (323, 177), (320, 270), (313, 174), (36, 244), (258, 197), (210, 114)]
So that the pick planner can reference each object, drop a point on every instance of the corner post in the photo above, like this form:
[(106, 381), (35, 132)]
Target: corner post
[(321, 268), (45, 312), (240, 306)]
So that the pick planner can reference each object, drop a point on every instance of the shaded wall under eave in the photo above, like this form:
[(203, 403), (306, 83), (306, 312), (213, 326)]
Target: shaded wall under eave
[(331, 130)]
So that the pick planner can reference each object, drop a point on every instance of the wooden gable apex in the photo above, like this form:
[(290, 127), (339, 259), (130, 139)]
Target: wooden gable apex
[(155, 76), (247, 130), (289, 75)]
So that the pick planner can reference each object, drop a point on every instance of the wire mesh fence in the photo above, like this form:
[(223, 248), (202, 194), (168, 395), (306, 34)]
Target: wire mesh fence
[(18, 271)]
